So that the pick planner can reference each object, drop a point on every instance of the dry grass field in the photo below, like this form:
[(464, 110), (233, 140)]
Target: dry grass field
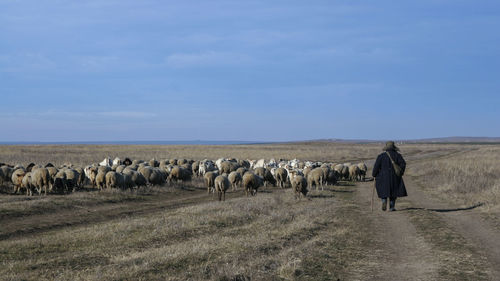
[(469, 177), (179, 232)]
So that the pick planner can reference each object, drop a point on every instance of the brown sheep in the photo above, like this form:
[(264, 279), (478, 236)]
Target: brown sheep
[(179, 174), (326, 171), (252, 182), (228, 167), (235, 179), (353, 173), (40, 179), (306, 171), (299, 185), (345, 172), (281, 175), (127, 181), (195, 167), (315, 178), (158, 176), (52, 171), (26, 184), (221, 185), (59, 179), (114, 180), (362, 171), (266, 175), (30, 167), (72, 178), (120, 168), (103, 169), (244, 163), (138, 179), (331, 178), (241, 171), (209, 178), (5, 174), (154, 163), (100, 180), (17, 179)]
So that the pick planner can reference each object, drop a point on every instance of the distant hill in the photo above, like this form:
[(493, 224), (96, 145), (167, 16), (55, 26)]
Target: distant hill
[(458, 140), (428, 140)]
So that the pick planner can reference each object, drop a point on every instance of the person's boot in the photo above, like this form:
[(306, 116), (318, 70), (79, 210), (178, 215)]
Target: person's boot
[(384, 204), (392, 205)]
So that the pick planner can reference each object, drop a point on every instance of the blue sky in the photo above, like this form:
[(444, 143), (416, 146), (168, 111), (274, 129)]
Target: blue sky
[(248, 70)]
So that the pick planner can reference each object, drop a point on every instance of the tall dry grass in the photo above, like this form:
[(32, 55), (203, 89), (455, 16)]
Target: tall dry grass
[(267, 237), (467, 178)]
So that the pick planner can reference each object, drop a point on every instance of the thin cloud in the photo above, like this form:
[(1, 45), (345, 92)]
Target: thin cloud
[(81, 114), (210, 58)]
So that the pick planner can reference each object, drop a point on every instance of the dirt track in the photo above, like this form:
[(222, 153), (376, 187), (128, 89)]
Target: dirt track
[(426, 237)]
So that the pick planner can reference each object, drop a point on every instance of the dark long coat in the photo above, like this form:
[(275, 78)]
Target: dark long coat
[(387, 183)]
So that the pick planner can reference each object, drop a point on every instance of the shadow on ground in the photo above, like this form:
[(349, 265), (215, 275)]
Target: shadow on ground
[(443, 210)]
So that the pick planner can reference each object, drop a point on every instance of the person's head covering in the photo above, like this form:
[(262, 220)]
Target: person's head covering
[(390, 146)]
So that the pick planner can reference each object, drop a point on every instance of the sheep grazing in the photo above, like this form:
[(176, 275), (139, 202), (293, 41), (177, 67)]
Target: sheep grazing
[(100, 180), (114, 180), (362, 171), (353, 172), (154, 163), (252, 182), (209, 179), (195, 167), (299, 185), (26, 184), (242, 171), (137, 178), (5, 174), (52, 171), (281, 175), (331, 178), (30, 167), (127, 181), (221, 185), (179, 174), (40, 179), (158, 176), (17, 179), (235, 179), (59, 179), (228, 167), (120, 168), (266, 175), (72, 178), (315, 178), (345, 172)]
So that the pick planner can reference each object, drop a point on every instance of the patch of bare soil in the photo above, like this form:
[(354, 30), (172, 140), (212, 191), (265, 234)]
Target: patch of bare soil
[(426, 239), (401, 253)]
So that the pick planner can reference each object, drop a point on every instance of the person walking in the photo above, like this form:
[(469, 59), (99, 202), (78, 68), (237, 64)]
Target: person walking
[(388, 172)]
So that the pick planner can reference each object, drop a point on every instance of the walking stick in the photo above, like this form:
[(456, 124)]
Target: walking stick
[(373, 192)]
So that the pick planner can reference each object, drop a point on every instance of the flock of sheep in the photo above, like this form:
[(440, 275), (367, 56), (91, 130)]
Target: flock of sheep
[(218, 175)]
